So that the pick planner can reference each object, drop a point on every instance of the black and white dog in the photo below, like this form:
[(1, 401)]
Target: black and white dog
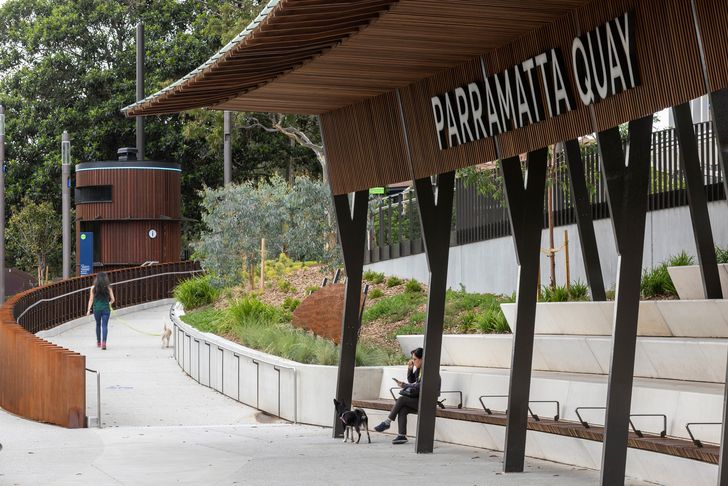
[(352, 420)]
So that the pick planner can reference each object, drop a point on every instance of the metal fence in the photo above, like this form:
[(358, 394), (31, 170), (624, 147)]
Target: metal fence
[(44, 382), (394, 227)]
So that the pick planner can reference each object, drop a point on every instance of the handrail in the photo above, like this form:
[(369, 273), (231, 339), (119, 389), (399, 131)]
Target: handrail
[(31, 391), (482, 403), (98, 394), (111, 284), (440, 403), (533, 415), (638, 432), (558, 409), (698, 443)]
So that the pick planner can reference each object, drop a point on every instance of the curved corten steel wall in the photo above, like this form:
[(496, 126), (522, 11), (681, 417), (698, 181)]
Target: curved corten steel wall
[(47, 383)]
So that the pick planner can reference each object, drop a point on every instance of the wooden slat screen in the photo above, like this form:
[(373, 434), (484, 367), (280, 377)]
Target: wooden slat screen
[(670, 70)]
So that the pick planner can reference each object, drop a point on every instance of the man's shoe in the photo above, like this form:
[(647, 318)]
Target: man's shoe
[(382, 427), (400, 439)]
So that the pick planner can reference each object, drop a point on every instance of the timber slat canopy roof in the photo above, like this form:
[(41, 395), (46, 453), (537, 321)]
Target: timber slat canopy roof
[(315, 56)]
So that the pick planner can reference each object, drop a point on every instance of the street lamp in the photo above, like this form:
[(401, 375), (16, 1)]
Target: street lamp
[(66, 201)]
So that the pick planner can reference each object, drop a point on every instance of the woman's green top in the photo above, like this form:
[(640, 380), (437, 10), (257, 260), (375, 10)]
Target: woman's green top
[(101, 303)]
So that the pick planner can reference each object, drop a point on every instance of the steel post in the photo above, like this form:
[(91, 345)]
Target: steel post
[(227, 148), (627, 198), (697, 200), (525, 212), (140, 89), (66, 202), (719, 113), (352, 227), (584, 221), (435, 220)]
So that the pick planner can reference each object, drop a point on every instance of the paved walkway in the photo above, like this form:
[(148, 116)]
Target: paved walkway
[(160, 427)]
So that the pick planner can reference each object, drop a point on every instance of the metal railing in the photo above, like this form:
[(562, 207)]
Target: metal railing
[(440, 403), (697, 442), (31, 386), (98, 394), (638, 432), (533, 415), (393, 221)]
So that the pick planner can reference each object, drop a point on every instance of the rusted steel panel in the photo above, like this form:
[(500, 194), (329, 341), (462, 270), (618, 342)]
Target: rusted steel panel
[(42, 381)]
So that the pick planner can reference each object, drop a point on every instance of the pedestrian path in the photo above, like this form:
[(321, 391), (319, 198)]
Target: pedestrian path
[(160, 427)]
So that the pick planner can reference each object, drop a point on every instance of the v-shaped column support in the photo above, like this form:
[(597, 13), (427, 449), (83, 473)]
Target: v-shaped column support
[(719, 113), (627, 197), (352, 227), (436, 219), (584, 220), (697, 200), (525, 211)]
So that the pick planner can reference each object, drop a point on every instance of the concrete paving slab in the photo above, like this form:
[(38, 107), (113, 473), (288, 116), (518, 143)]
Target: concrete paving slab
[(161, 427)]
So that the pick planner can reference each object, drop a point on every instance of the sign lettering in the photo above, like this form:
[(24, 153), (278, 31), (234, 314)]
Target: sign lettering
[(603, 61)]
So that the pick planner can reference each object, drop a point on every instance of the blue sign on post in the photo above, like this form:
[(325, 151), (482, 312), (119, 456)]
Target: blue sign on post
[(86, 253)]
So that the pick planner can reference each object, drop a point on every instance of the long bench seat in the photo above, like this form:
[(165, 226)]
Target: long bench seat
[(649, 442)]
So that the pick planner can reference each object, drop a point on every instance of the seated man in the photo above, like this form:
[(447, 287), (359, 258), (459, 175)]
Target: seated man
[(409, 399)]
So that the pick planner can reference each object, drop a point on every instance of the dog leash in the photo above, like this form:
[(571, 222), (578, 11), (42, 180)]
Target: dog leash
[(124, 322)]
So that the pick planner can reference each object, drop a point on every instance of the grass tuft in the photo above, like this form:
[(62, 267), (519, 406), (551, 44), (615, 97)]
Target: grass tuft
[(196, 292)]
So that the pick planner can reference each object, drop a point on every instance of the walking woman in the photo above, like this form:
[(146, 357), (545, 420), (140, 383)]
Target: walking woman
[(100, 302)]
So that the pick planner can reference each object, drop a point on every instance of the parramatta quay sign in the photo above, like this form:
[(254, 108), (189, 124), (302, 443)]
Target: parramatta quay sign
[(603, 62)]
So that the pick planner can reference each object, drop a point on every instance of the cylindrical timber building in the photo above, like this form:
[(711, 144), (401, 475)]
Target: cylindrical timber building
[(133, 209)]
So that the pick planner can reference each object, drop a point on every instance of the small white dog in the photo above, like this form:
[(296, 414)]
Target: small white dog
[(166, 334)]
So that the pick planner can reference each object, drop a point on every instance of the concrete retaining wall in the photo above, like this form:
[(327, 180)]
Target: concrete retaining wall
[(284, 388), (490, 266)]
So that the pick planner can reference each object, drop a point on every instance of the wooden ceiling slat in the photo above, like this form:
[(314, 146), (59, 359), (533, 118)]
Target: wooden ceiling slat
[(384, 44)]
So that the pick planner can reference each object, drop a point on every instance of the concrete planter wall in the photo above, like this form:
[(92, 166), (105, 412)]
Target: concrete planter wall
[(689, 283), (657, 318), (701, 360), (284, 388)]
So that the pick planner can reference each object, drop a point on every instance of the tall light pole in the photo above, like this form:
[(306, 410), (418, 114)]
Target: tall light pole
[(140, 88), (2, 203), (66, 210), (228, 149)]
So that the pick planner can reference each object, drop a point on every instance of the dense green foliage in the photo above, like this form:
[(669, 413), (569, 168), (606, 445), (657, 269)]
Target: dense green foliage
[(196, 292), (464, 312), (373, 277), (266, 328), (34, 237), (577, 291), (657, 283), (721, 254), (292, 219), (70, 65)]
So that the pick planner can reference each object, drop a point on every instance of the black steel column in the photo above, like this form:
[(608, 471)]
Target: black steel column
[(435, 218), (627, 198), (719, 112), (584, 221), (697, 200), (435, 213), (525, 211), (352, 235)]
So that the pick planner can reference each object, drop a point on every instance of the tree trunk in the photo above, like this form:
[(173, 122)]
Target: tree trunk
[(550, 203)]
